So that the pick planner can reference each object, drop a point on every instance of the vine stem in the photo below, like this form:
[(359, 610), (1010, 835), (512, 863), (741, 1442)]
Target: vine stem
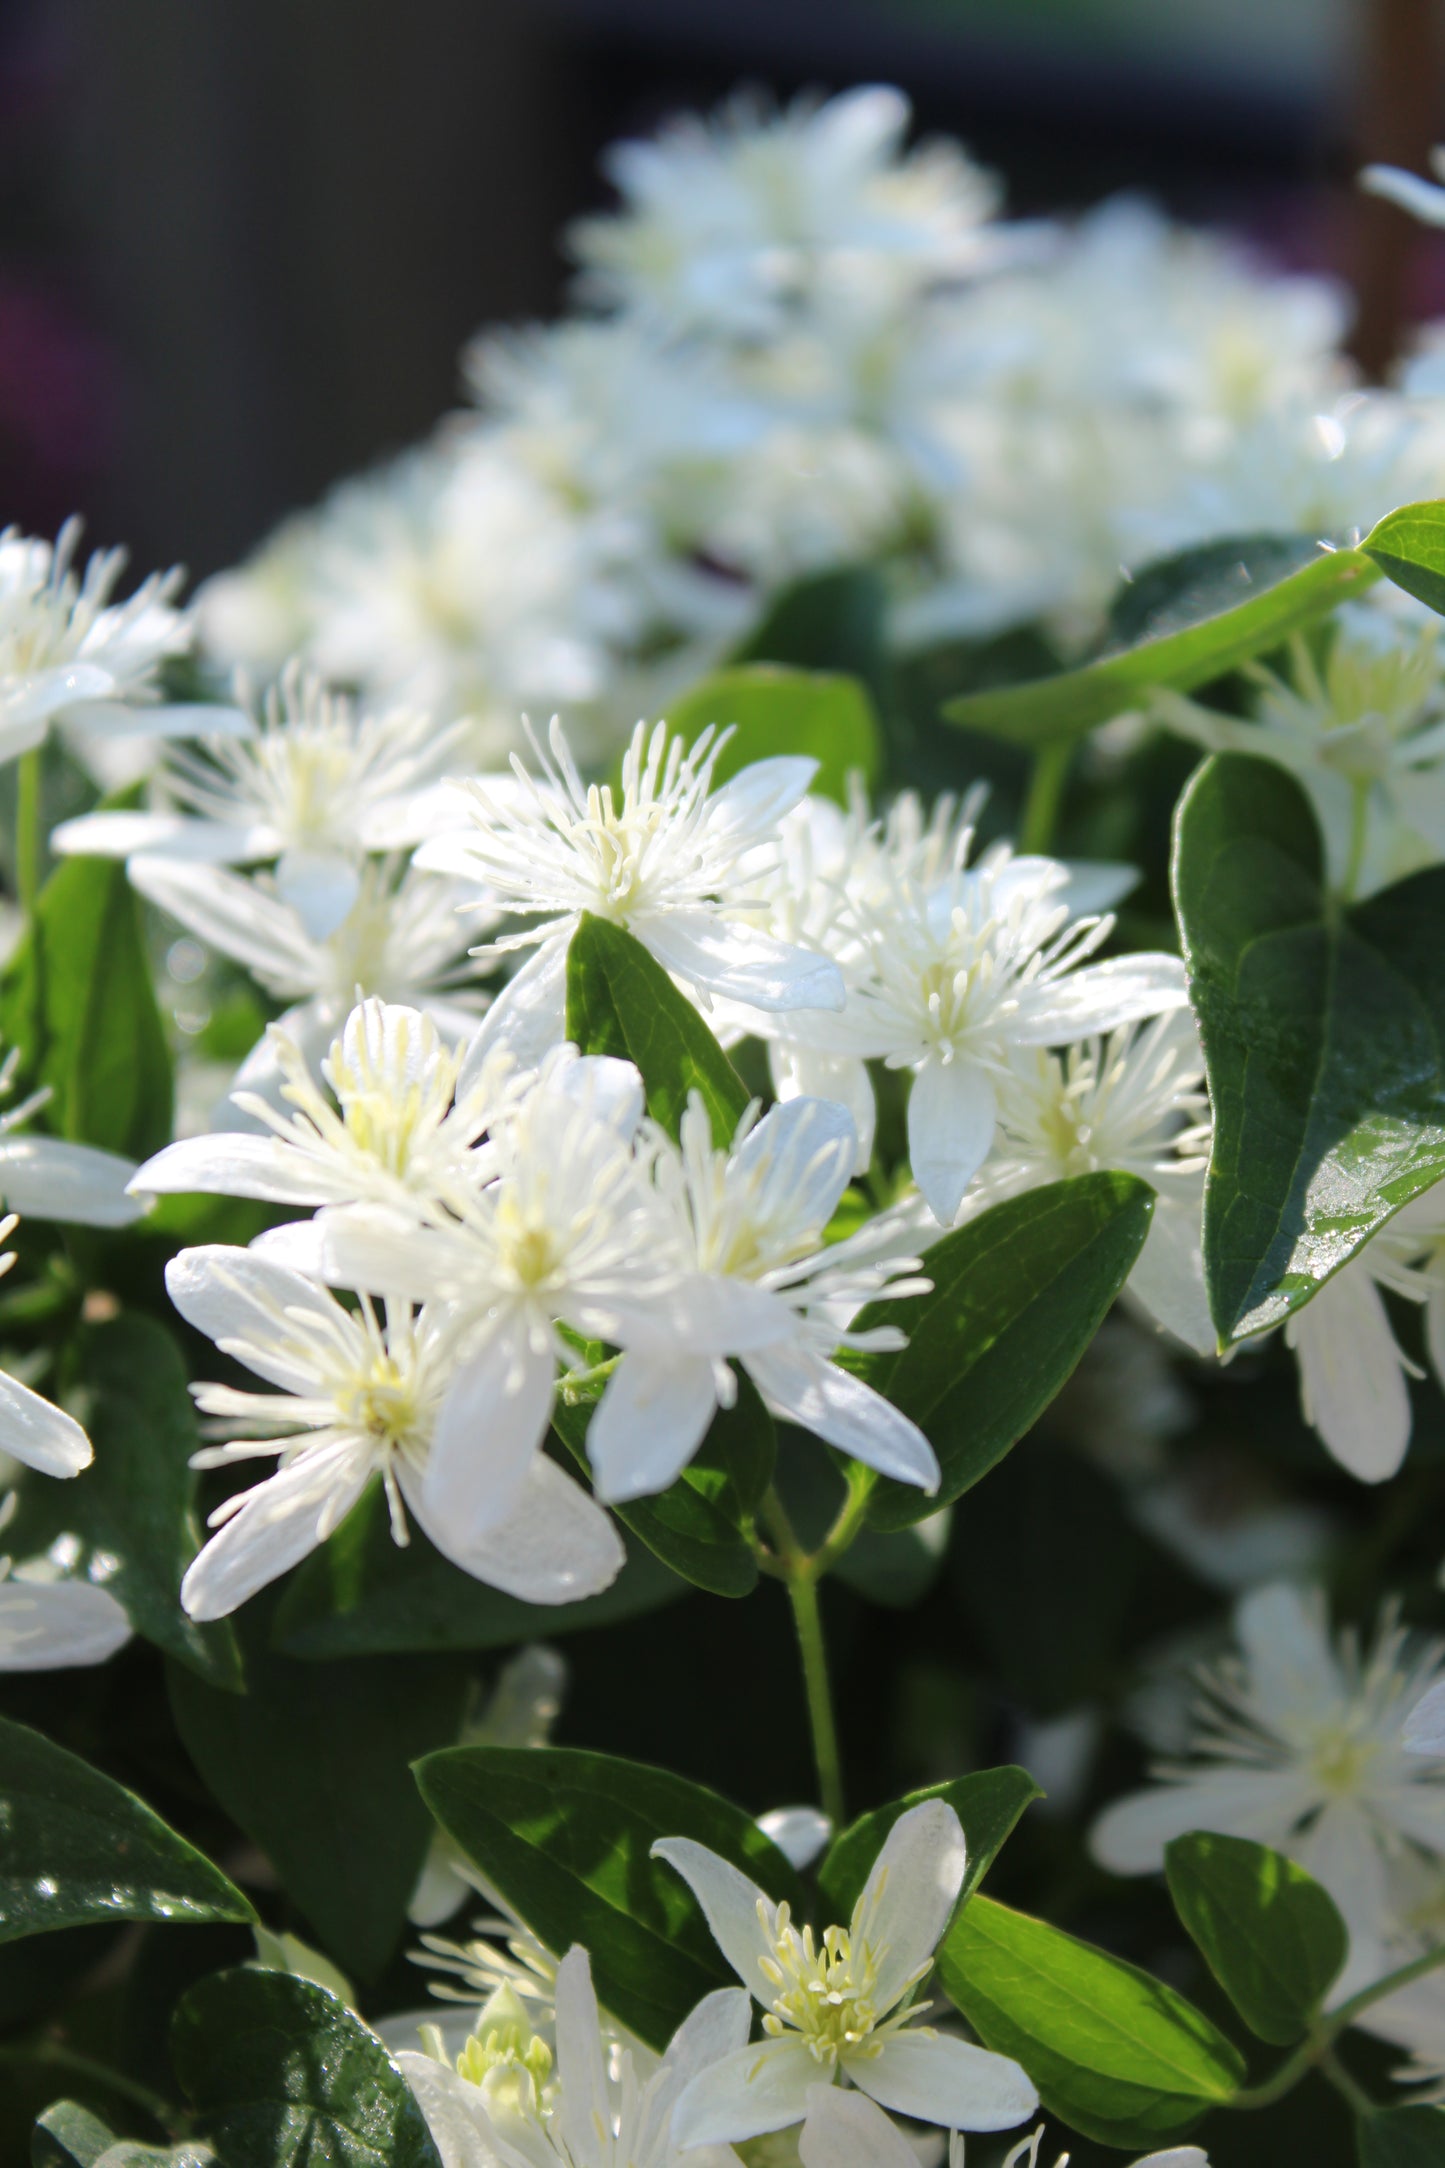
[(802, 1571), (1318, 2046), (55, 2057), (1044, 795), (27, 829), (1359, 831)]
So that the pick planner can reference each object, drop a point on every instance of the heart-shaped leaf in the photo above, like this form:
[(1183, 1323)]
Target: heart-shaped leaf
[(1267, 1931)]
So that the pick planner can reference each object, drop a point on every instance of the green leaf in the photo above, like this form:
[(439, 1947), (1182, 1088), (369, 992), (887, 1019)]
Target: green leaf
[(688, 1526), (69, 2136), (1178, 649), (1114, 2053), (1018, 1294), (988, 1804), (620, 1001), (566, 1837), (1324, 1040), (773, 710), (77, 999), (281, 2072), (313, 1762), (79, 1848), (1267, 1931), (1409, 548), (830, 621), (1402, 2138), (362, 1594), (129, 1520)]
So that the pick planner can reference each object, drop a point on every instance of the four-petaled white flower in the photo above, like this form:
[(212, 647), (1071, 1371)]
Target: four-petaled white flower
[(47, 1622), (951, 969), (666, 862), (757, 1285), (357, 1399), (843, 2007), (508, 2103), (1302, 1744), (315, 787), (1026, 2155), (70, 655)]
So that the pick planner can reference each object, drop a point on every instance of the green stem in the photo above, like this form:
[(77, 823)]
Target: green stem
[(55, 2057), (808, 1618), (1359, 829), (27, 829), (1334, 2070), (1319, 2043), (1045, 795)]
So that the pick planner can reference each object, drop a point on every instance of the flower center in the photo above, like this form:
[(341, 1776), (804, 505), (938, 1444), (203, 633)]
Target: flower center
[(822, 1991), (1341, 1762), (383, 1403)]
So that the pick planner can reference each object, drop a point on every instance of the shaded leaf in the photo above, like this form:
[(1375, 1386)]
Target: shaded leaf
[(1267, 1931), (620, 1001), (772, 710), (1403, 2138), (688, 1525), (1408, 545), (987, 1803)]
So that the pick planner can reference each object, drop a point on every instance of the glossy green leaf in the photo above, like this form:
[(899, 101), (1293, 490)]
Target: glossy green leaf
[(363, 1594), (1409, 547), (1267, 1931), (566, 1837), (772, 710), (1323, 1034), (313, 1762), (988, 1804), (830, 621), (1202, 631), (620, 1001), (280, 2072), (1018, 1294), (77, 999), (1114, 2053), (1402, 2138), (688, 1526), (129, 1520), (80, 1848)]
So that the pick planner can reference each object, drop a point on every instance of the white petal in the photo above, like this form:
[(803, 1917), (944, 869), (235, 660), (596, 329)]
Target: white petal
[(230, 1163), (1178, 2156), (802, 1072), (946, 2081), (173, 835), (235, 916), (1129, 1837), (34, 1431), (845, 1412), (556, 1546), (1099, 997), (800, 1833), (1352, 1379), (910, 1894), (845, 2130), (760, 2088), (48, 1178), (717, 2027), (489, 1432), (1424, 1731), (584, 2109), (951, 1115), (804, 1152), (1168, 1277), (453, 2111), (283, 1520), (739, 962), (174, 719), (648, 1424), (1422, 199), (740, 1915), (48, 1625), (241, 1299), (1293, 1670), (1344, 1855), (529, 1015), (753, 801), (1095, 884), (609, 1090), (320, 886)]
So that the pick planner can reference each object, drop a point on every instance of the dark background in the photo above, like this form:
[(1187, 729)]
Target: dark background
[(242, 240)]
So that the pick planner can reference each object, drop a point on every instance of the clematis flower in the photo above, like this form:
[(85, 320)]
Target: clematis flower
[(508, 2103), (48, 1623), (664, 864), (757, 1284), (389, 1129), (358, 1398), (1301, 1743), (953, 968), (1026, 2155), (843, 2008), (70, 655), (315, 787)]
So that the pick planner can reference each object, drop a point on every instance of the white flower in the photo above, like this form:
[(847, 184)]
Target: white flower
[(315, 787), (730, 226), (389, 1129), (48, 1623), (400, 941), (1135, 1103), (757, 1285), (506, 2105), (566, 1228), (1301, 1744), (952, 968), (1422, 199), (665, 864), (69, 654), (843, 2008), (1364, 732), (357, 1399), (1026, 2155)]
